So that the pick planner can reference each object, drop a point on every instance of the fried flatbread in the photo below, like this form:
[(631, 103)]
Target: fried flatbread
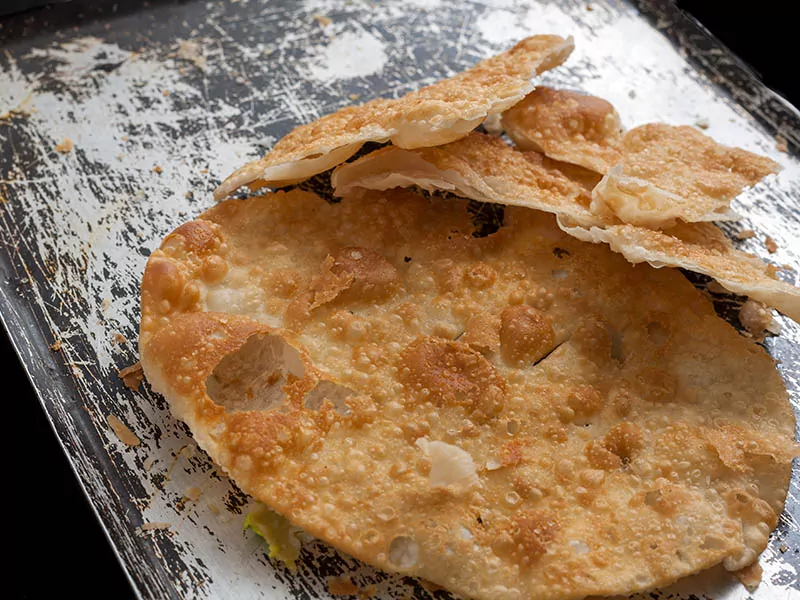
[(484, 168), (516, 416), (567, 126), (479, 167), (702, 248), (670, 173), (433, 115)]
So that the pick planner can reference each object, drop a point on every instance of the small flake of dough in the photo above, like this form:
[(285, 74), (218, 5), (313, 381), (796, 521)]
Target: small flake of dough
[(65, 146), (450, 465), (750, 576), (745, 234), (669, 173), (132, 376), (626, 458), (431, 116), (771, 245), (755, 317), (322, 20), (122, 431), (567, 126), (191, 51)]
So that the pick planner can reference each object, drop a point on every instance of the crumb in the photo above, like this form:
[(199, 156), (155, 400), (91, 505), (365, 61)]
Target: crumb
[(745, 234), (187, 195), (342, 586), (119, 157), (55, 346), (148, 462), (589, 7), (119, 338), (354, 96), (771, 245), (165, 93), (755, 317), (125, 138), (132, 376), (702, 123), (632, 94), (750, 576), (125, 435), (322, 20), (105, 304), (158, 169), (155, 525), (204, 171), (65, 146), (190, 51), (783, 548), (781, 144), (181, 71)]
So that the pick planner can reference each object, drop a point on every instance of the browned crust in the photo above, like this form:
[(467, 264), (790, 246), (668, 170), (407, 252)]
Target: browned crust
[(430, 116)]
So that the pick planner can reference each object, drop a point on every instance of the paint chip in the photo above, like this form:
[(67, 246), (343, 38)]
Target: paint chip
[(122, 431)]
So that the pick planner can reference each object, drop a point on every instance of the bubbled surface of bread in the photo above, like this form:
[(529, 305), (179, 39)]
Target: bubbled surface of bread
[(620, 434)]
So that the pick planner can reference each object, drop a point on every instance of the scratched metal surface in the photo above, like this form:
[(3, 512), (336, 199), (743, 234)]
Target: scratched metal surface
[(156, 124)]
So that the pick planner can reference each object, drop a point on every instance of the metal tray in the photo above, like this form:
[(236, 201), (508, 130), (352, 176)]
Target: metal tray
[(162, 101)]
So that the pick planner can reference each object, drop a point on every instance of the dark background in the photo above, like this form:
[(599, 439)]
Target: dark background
[(56, 543)]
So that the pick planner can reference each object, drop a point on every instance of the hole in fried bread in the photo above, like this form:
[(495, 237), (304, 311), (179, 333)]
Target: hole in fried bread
[(328, 390), (252, 377)]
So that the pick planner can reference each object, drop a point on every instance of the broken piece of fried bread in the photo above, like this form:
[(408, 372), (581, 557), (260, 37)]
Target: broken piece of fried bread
[(670, 173), (433, 115), (567, 126)]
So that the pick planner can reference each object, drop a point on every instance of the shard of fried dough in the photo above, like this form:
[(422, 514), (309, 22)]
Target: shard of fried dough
[(670, 173), (433, 115), (479, 167), (702, 248), (482, 167), (611, 434), (567, 126)]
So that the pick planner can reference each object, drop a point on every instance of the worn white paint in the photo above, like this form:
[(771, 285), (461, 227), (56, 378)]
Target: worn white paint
[(349, 54), (88, 230)]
